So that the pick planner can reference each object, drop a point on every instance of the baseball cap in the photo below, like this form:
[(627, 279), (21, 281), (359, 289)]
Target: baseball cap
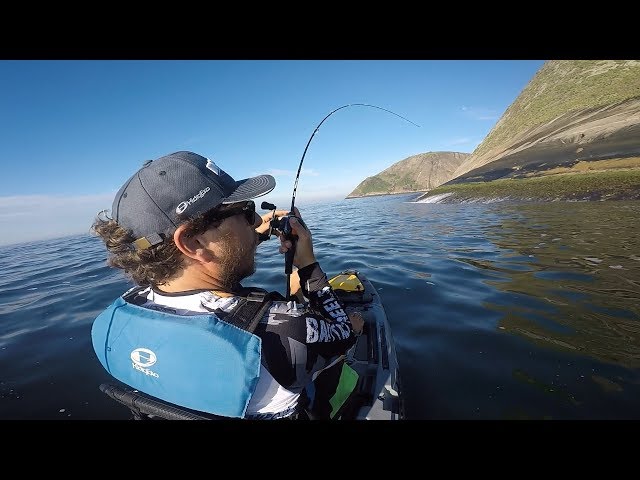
[(165, 192)]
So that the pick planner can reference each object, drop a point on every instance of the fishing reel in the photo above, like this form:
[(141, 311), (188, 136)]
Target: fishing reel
[(282, 226), (279, 225)]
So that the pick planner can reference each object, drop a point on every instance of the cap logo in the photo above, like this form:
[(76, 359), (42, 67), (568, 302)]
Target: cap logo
[(182, 206), (213, 167)]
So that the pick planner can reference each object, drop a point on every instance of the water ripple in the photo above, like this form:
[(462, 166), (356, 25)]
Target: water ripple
[(497, 310)]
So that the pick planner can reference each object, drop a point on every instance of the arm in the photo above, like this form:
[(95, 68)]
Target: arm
[(329, 322)]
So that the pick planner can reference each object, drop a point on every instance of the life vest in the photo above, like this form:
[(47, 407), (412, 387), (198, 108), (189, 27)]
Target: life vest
[(196, 361)]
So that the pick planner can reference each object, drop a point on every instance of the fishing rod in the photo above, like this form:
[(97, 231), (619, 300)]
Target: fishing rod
[(283, 224)]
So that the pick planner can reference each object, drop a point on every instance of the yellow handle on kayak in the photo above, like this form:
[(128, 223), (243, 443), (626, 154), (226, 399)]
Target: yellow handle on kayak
[(346, 282)]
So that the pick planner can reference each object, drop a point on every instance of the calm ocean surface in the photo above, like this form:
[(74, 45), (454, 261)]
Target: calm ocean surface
[(499, 311)]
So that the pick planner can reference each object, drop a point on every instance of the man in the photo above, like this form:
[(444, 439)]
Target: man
[(186, 233)]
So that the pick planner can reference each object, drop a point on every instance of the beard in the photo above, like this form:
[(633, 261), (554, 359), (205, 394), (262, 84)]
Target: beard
[(237, 261)]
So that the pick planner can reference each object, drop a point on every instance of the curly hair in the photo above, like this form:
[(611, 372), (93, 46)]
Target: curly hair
[(151, 266)]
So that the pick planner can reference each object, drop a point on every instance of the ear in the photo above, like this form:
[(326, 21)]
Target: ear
[(191, 246)]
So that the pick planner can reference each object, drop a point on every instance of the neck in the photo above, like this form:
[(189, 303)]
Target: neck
[(196, 279)]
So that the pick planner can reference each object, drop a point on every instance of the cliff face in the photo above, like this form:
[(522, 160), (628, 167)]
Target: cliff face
[(413, 174), (571, 111)]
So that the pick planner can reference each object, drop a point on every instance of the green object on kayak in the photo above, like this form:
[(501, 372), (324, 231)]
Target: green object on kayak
[(348, 381)]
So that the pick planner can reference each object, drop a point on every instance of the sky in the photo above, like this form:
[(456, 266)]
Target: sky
[(73, 131)]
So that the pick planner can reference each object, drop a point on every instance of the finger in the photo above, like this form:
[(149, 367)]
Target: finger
[(277, 214), (285, 243), (297, 226)]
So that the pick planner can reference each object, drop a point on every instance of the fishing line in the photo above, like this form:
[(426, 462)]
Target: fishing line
[(283, 224), (295, 185)]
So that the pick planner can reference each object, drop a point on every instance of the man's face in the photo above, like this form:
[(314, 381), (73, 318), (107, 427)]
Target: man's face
[(234, 242)]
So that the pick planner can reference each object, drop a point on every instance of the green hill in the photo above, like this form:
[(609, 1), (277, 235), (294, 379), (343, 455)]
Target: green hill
[(417, 173)]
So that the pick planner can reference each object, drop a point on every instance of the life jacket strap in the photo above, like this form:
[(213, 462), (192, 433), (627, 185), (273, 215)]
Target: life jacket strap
[(250, 310)]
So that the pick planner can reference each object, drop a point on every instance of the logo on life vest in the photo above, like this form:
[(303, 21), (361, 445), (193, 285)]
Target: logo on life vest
[(142, 358)]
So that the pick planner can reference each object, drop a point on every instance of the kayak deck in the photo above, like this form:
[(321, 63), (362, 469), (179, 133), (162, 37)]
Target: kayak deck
[(377, 395)]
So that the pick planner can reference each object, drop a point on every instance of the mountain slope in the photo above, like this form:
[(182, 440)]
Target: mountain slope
[(571, 111), (413, 174)]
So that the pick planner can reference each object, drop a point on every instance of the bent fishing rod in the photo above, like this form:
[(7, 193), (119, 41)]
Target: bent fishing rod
[(282, 224)]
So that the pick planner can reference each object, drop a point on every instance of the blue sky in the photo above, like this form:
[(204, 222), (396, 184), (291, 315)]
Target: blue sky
[(74, 130)]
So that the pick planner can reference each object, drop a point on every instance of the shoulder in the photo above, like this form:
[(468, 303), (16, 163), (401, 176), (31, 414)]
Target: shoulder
[(284, 307), (136, 295), (212, 302)]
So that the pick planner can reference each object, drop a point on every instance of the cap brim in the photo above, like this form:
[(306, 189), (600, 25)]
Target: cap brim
[(251, 188)]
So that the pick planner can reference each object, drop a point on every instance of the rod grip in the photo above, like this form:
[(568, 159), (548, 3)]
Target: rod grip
[(288, 258), (288, 235)]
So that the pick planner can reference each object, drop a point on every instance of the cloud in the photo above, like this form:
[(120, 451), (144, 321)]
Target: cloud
[(55, 200), (459, 141), (480, 113), (35, 217), (276, 172), (39, 217)]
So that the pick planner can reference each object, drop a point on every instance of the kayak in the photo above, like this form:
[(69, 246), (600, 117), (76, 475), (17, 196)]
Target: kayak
[(377, 395), (369, 384)]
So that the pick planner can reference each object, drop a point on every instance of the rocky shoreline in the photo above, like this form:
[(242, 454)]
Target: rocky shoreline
[(349, 197), (622, 184)]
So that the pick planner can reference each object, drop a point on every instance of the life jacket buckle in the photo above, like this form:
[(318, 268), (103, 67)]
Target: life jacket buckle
[(256, 297)]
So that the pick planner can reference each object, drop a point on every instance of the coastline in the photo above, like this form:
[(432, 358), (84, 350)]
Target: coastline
[(350, 197), (580, 184), (621, 184)]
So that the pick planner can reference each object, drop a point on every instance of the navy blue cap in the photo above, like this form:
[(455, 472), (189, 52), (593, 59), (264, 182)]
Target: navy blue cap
[(167, 191)]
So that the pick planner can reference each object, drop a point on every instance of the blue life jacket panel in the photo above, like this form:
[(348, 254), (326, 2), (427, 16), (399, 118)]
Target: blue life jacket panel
[(198, 361)]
